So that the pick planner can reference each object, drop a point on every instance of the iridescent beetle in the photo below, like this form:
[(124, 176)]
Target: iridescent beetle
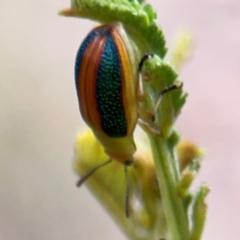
[(108, 87)]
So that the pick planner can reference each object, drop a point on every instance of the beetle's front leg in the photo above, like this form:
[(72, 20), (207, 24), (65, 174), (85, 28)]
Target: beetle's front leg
[(147, 119)]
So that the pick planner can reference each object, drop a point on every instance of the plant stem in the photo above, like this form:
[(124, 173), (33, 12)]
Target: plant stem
[(174, 210)]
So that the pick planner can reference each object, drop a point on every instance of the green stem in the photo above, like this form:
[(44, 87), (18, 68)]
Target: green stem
[(173, 206)]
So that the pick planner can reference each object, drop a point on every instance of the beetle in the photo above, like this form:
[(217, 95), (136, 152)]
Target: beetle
[(108, 85)]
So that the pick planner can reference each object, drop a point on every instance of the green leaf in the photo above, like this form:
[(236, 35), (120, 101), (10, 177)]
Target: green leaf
[(199, 213), (139, 20)]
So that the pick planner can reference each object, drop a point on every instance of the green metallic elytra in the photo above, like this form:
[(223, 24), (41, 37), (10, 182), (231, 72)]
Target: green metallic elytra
[(105, 78), (109, 92)]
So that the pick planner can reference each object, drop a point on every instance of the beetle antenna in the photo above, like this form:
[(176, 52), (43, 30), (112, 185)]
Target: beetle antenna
[(165, 90), (127, 210), (90, 173)]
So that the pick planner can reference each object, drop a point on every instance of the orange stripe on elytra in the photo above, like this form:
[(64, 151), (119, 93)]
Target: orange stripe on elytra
[(87, 79), (129, 97)]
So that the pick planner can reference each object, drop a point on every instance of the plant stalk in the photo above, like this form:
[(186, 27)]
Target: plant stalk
[(172, 204)]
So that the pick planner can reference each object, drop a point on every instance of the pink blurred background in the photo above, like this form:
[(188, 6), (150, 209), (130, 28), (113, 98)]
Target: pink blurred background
[(39, 118)]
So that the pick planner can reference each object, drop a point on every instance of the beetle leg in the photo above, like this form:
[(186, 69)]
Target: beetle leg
[(146, 119), (140, 76), (148, 127), (160, 95)]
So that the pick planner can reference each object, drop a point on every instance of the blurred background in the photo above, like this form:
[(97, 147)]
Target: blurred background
[(39, 117)]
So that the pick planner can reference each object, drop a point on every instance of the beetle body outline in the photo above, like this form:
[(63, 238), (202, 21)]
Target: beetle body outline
[(105, 69)]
